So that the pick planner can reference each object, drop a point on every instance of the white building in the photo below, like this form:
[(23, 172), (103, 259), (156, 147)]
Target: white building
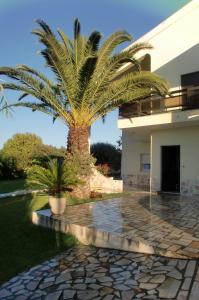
[(161, 137)]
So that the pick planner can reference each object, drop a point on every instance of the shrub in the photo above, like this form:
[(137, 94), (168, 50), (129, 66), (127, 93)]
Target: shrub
[(24, 148), (8, 169), (80, 162), (107, 154)]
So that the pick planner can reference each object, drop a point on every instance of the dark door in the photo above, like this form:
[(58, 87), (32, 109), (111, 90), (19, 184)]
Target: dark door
[(171, 169)]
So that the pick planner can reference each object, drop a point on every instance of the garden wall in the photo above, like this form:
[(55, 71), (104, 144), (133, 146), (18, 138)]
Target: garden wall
[(101, 183)]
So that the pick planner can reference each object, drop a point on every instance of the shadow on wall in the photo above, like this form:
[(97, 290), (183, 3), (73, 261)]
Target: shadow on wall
[(187, 62)]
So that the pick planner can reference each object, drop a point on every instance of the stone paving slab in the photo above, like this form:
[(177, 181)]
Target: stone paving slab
[(85, 272), (166, 225)]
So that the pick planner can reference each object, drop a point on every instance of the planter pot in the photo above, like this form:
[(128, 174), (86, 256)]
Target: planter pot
[(57, 205)]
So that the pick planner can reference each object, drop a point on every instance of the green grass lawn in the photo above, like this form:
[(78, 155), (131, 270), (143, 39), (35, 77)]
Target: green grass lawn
[(22, 244), (7, 186)]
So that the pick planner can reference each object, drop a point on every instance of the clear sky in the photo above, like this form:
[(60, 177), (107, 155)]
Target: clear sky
[(18, 46)]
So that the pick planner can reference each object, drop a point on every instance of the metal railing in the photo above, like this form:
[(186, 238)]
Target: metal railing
[(186, 98)]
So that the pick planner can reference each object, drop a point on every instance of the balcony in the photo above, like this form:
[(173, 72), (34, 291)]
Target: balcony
[(184, 99)]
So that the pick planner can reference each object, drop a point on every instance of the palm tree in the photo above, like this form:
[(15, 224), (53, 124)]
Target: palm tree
[(86, 85)]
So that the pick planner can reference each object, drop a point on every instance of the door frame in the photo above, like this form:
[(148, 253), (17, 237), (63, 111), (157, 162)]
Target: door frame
[(161, 170)]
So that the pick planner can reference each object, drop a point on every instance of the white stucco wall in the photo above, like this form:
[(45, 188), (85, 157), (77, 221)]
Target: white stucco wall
[(188, 139), (132, 147), (175, 44), (185, 63), (173, 38)]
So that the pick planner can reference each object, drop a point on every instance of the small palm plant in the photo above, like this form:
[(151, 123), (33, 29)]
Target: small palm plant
[(57, 177)]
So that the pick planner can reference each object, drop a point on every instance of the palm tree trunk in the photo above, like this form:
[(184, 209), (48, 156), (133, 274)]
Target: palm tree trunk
[(78, 140)]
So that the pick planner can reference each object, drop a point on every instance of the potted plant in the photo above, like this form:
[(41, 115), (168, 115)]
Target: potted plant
[(57, 177)]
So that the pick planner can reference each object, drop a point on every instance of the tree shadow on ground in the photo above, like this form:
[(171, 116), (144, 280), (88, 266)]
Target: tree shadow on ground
[(179, 211), (23, 244)]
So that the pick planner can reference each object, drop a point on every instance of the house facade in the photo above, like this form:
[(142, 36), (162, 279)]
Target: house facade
[(160, 136)]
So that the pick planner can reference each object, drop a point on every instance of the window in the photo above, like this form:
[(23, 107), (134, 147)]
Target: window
[(145, 162), (190, 79)]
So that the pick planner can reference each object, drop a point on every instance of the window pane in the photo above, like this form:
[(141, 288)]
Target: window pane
[(144, 162)]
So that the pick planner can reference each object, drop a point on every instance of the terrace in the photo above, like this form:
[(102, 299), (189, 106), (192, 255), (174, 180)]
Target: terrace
[(184, 99), (166, 225)]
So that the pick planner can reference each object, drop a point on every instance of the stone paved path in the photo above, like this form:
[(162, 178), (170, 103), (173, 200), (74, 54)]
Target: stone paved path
[(167, 225), (85, 273)]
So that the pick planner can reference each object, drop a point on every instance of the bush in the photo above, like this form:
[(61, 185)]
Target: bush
[(22, 150), (106, 154), (8, 169), (80, 163)]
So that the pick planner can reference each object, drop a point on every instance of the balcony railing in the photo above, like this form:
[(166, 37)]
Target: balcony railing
[(186, 98)]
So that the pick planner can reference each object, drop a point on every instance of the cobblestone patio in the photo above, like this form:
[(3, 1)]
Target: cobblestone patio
[(85, 273), (166, 225)]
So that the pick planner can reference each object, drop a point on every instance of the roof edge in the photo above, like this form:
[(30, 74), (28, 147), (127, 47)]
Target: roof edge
[(167, 22)]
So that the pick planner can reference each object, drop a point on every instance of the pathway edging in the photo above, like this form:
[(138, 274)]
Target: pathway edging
[(19, 193)]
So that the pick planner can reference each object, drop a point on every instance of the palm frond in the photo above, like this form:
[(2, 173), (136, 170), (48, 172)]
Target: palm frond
[(77, 28), (47, 100), (130, 87), (36, 73), (86, 73), (110, 73), (4, 107), (94, 40), (58, 59), (137, 47), (111, 43)]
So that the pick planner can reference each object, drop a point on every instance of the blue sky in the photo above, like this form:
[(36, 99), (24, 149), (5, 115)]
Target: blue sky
[(18, 46)]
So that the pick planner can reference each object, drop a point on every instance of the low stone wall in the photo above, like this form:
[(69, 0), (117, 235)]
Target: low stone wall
[(91, 236), (98, 183), (101, 183), (139, 182), (109, 237)]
